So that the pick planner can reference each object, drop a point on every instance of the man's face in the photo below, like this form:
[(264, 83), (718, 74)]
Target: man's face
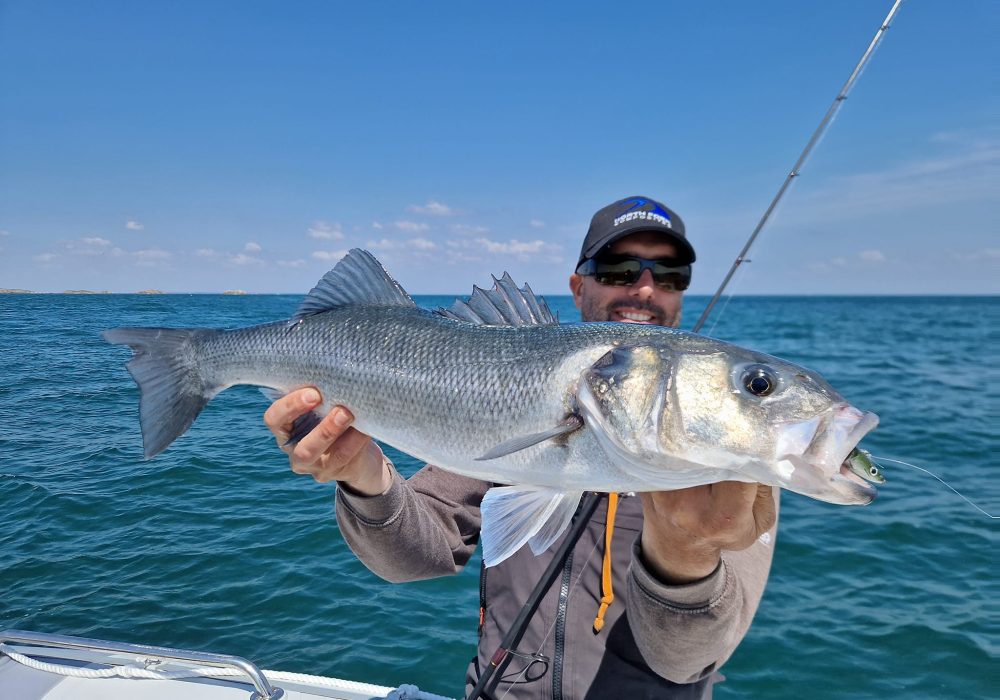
[(641, 302)]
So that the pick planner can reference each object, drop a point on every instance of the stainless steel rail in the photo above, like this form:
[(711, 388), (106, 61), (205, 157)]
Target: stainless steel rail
[(262, 688)]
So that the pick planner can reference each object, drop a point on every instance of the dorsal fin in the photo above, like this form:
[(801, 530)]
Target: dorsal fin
[(358, 279), (504, 305)]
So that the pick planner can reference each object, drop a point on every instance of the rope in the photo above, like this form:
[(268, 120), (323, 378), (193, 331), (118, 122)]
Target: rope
[(607, 590)]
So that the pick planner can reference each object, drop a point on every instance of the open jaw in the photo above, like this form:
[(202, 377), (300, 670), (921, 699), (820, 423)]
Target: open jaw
[(821, 469)]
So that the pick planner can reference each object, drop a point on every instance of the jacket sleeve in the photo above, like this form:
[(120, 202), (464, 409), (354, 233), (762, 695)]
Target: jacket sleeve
[(688, 631), (419, 528)]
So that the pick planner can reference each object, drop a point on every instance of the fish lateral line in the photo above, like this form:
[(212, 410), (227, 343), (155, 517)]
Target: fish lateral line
[(927, 471)]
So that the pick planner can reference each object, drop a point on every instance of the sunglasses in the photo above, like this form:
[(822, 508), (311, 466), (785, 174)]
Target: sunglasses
[(624, 270)]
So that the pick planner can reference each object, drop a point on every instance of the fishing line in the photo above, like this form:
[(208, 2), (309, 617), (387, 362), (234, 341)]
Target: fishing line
[(926, 471), (502, 652), (725, 304)]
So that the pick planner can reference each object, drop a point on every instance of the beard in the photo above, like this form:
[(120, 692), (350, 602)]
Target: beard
[(593, 310)]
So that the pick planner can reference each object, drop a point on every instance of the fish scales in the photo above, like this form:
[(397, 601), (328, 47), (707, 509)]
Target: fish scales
[(442, 390)]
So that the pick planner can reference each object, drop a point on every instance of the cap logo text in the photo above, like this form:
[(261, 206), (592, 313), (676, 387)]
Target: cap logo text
[(643, 216)]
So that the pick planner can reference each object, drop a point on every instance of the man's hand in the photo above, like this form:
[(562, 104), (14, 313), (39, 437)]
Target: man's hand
[(333, 450), (684, 532)]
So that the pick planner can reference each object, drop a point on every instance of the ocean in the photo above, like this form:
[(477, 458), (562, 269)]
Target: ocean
[(216, 545)]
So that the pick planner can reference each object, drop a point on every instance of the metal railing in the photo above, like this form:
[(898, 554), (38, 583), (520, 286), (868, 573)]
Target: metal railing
[(148, 656)]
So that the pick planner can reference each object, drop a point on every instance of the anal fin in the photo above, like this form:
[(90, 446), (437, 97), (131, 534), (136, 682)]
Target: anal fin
[(515, 515)]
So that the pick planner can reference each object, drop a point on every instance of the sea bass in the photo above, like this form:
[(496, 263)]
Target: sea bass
[(496, 389)]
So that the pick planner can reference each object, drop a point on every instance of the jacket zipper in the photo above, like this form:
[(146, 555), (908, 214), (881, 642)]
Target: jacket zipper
[(482, 597), (560, 633)]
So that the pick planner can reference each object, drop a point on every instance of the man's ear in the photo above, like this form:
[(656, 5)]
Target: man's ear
[(576, 286)]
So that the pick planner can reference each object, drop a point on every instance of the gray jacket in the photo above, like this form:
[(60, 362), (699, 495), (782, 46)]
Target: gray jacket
[(658, 641)]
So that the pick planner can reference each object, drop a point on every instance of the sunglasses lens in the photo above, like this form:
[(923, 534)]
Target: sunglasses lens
[(618, 273), (626, 271), (672, 281), (672, 278)]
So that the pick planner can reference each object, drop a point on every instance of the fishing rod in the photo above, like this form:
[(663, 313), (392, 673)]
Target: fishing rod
[(797, 168)]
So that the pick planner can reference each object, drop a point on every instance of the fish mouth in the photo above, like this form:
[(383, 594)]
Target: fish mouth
[(821, 471)]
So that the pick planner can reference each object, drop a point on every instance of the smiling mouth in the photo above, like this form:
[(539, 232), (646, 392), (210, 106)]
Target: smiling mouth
[(634, 316)]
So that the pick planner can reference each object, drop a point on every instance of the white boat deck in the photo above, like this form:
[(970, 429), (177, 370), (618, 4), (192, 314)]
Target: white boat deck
[(35, 666)]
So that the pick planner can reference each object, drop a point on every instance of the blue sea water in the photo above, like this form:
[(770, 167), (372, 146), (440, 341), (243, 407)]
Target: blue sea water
[(216, 545)]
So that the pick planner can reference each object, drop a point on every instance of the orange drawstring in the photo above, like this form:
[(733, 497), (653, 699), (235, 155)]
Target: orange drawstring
[(608, 594)]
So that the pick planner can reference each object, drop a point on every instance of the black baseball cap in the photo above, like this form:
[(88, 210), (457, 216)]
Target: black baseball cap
[(631, 215)]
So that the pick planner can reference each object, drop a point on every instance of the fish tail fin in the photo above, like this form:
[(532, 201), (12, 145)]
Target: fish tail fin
[(172, 389)]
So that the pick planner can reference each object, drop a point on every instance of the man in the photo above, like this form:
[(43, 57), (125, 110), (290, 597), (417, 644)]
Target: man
[(692, 562)]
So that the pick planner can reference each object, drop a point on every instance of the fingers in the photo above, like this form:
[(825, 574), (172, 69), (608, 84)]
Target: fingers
[(323, 437), (329, 448), (728, 514), (764, 512), (331, 451), (282, 413)]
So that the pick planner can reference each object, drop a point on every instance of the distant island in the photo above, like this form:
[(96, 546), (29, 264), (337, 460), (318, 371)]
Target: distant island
[(16, 291), (149, 291), (236, 292), (84, 291)]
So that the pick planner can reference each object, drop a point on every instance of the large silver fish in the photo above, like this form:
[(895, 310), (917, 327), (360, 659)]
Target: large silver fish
[(495, 388)]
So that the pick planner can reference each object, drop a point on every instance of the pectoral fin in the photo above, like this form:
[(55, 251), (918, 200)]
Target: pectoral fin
[(515, 515), (521, 442)]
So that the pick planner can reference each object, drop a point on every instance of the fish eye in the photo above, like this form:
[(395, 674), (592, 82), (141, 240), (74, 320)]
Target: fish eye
[(873, 471), (759, 380)]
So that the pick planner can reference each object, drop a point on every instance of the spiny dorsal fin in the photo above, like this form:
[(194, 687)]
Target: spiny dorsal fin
[(358, 279), (504, 305)]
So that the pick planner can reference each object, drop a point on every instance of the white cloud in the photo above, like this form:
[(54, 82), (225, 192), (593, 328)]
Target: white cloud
[(151, 257), (976, 256), (152, 254), (512, 246), (384, 244), (45, 257), (460, 256), (469, 230), (325, 231), (252, 247), (133, 225), (432, 208), (329, 255), (290, 263), (206, 253), (969, 170), (872, 256), (536, 223), (377, 226), (96, 241), (408, 244), (422, 244), (411, 226), (4, 232), (525, 251), (244, 259)]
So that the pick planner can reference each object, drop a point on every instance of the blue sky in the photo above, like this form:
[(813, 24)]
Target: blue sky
[(205, 146)]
